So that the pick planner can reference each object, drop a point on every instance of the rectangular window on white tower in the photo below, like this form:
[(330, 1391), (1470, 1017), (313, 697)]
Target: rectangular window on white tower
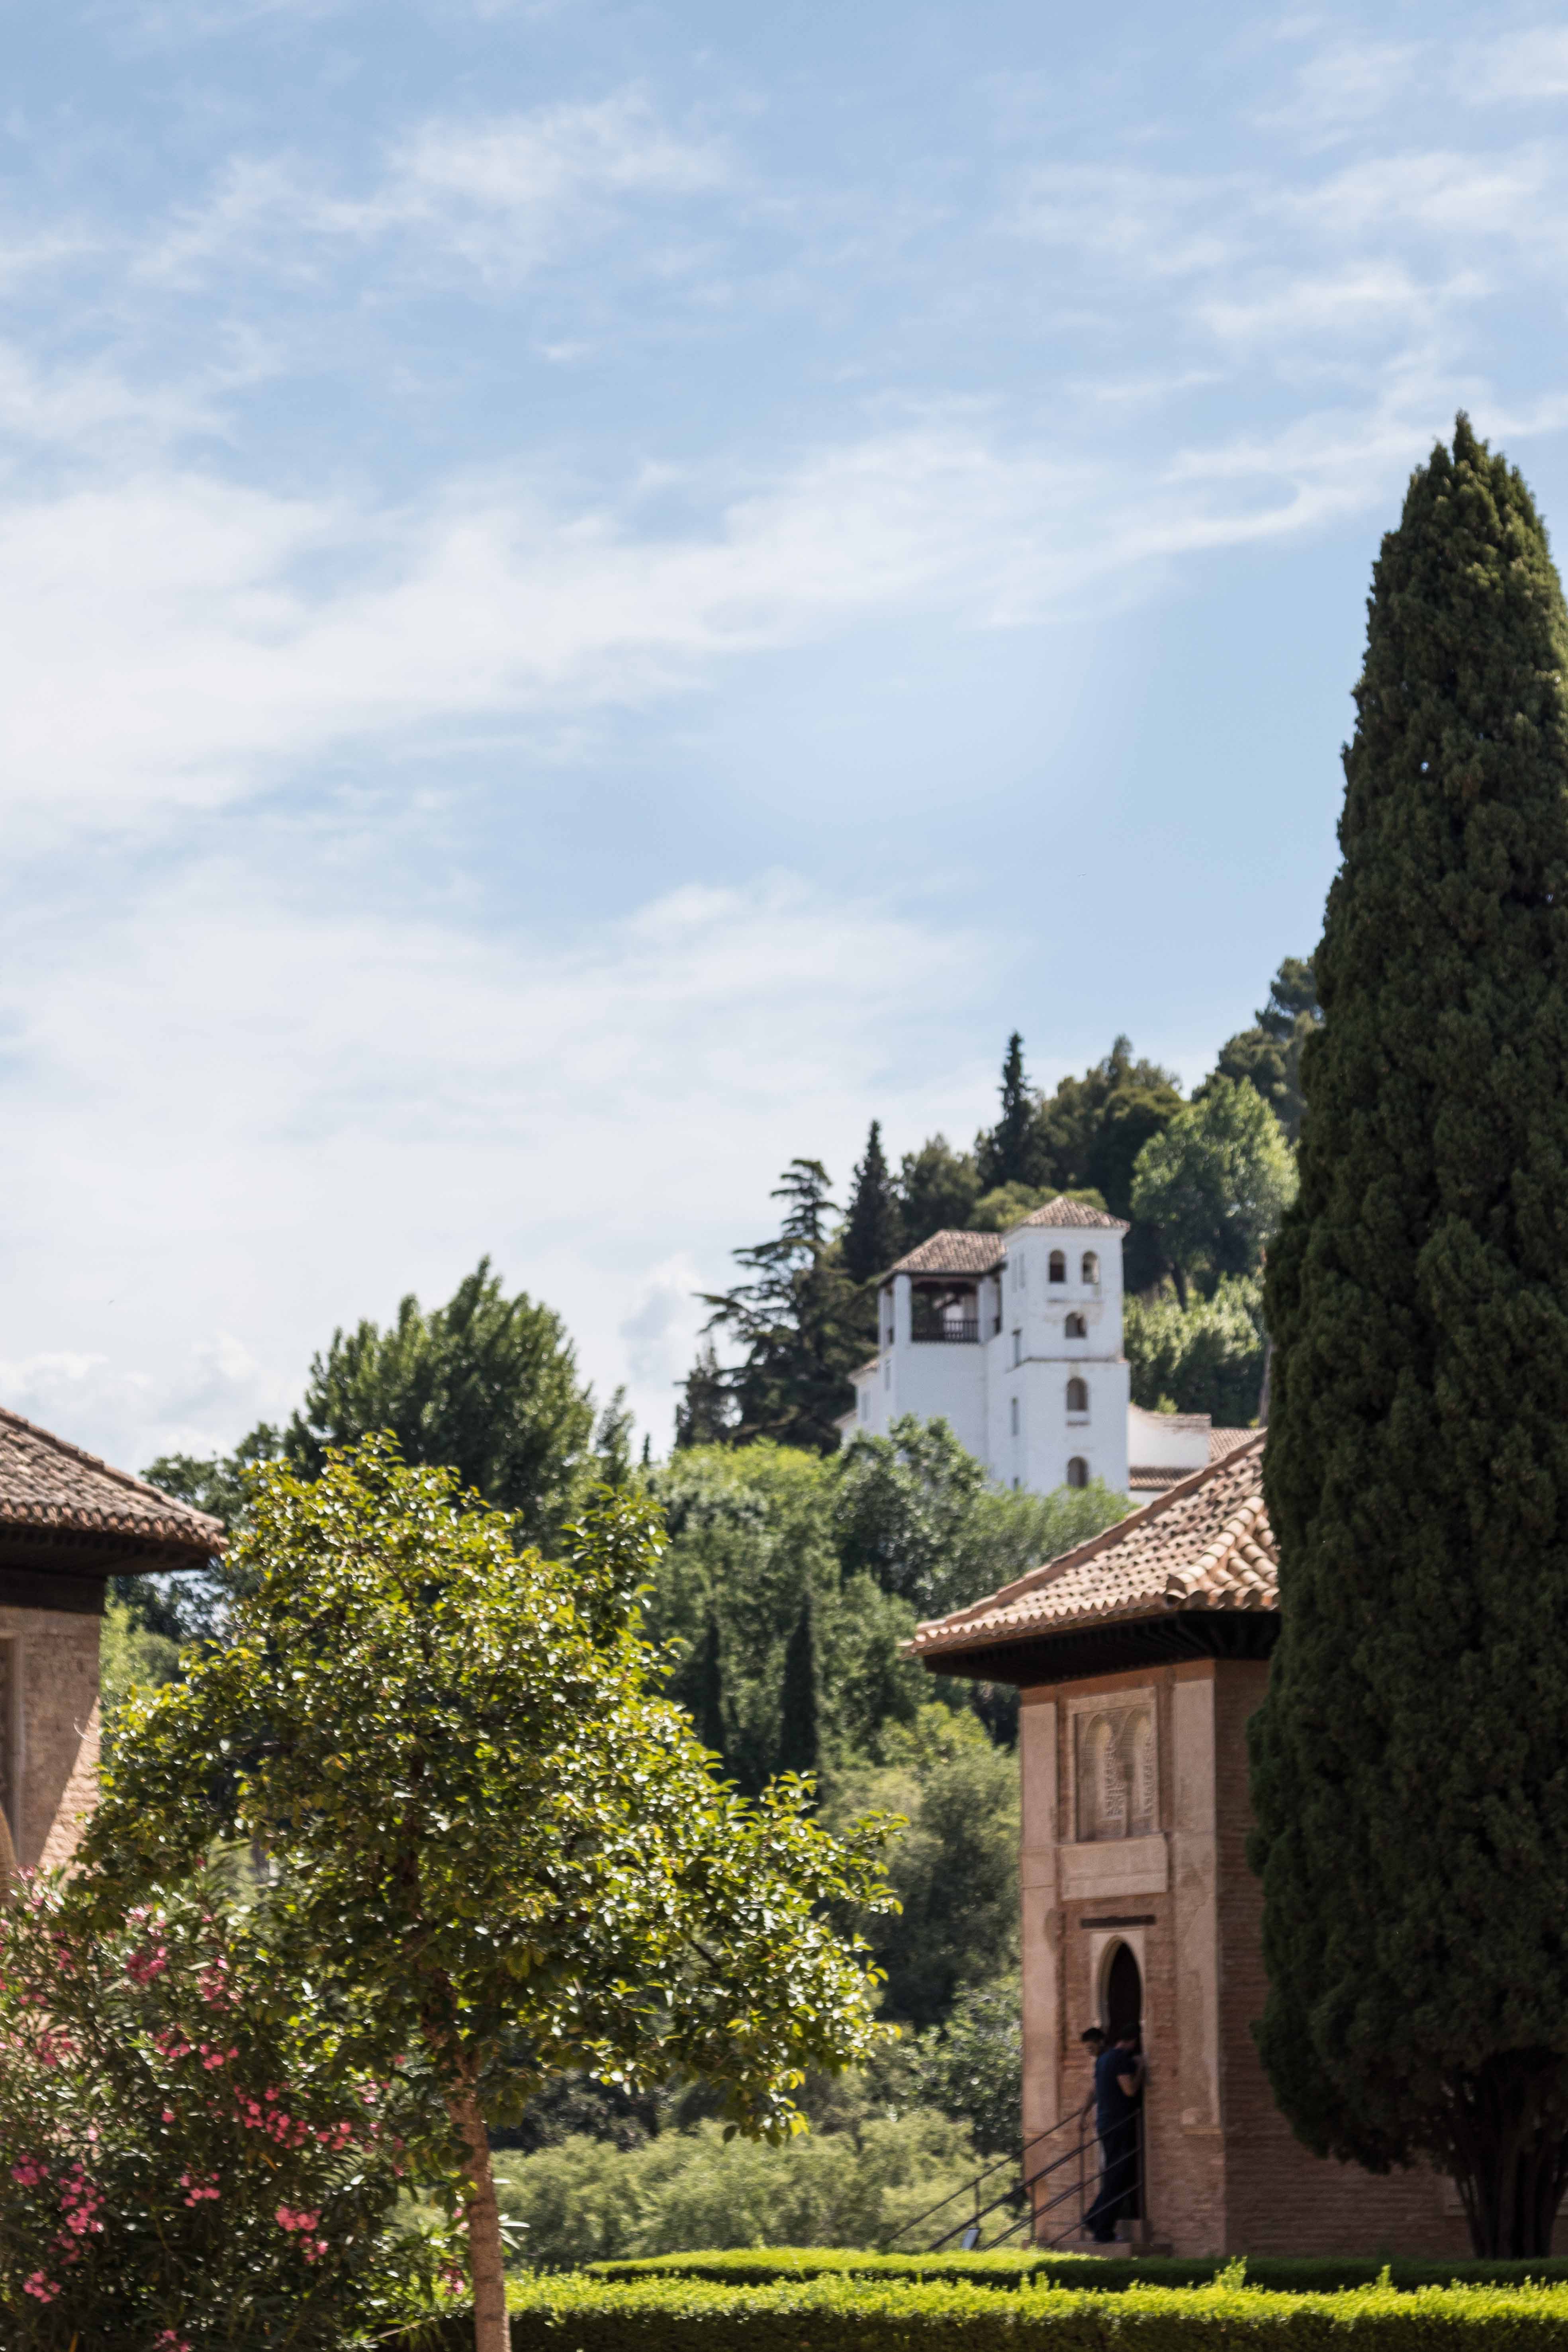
[(1014, 1416), (1018, 1346)]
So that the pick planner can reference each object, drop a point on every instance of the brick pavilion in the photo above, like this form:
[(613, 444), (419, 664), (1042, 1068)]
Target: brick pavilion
[(68, 1523), (1138, 1659)]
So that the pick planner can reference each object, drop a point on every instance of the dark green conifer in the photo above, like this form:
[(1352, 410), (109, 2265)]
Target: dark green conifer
[(872, 1239), (1007, 1155), (708, 1700), (797, 1714), (1410, 1771)]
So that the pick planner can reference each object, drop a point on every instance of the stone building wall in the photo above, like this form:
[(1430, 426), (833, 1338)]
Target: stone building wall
[(51, 1731), (1224, 2174)]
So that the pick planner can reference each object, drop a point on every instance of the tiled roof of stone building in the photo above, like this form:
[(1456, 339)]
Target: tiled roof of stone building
[(965, 1252), (49, 1487), (951, 1253), (1206, 1544), (1063, 1212)]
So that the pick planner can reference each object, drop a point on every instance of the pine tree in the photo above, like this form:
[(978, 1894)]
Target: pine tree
[(1007, 1155), (870, 1239), (1408, 1772), (797, 1714), (797, 1321), (704, 1415), (707, 1704)]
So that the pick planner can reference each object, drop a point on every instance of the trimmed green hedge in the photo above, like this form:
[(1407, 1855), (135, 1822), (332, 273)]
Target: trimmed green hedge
[(826, 2313), (1096, 2274)]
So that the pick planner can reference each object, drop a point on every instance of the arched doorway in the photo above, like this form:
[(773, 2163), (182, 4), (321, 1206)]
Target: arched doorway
[(1124, 1993), (1123, 2004)]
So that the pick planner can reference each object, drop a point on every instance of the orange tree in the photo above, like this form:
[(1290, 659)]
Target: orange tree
[(486, 1820)]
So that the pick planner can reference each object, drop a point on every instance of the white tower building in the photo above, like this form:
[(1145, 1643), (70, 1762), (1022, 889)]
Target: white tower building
[(1016, 1339)]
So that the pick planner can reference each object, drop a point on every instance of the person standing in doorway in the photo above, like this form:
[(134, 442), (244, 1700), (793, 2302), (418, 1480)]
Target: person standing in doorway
[(1118, 2093)]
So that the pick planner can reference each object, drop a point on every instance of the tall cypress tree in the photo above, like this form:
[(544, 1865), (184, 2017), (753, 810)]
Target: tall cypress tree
[(1410, 1771), (708, 1700), (1007, 1154), (872, 1228), (797, 1723)]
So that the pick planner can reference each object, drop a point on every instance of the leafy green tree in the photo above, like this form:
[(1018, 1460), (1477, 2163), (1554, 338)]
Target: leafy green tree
[(798, 1746), (1407, 1766), (796, 1321), (1215, 1184), (1006, 1205), (486, 1383), (750, 1542), (913, 1509), (971, 2066), (938, 1189), (217, 1484), (1205, 1356), (1268, 1056), (497, 1837), (1091, 1132), (954, 1870), (857, 2186), (130, 1652), (873, 1229)]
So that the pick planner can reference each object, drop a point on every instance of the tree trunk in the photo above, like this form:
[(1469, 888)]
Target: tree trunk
[(486, 2254), (1510, 2153)]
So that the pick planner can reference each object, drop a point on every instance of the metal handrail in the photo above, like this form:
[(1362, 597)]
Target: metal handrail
[(1027, 2181)]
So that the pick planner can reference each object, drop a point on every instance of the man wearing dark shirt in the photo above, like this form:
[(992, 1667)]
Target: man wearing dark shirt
[(1118, 2090)]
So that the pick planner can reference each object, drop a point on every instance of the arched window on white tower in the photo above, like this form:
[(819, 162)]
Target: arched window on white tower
[(1091, 1269), (1078, 1471), (1077, 1399), (1058, 1269), (1075, 1328)]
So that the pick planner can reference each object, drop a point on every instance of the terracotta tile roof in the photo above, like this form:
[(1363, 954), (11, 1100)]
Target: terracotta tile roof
[(1062, 1211), (1205, 1544), (50, 1487), (1225, 1441), (965, 1252), (951, 1253)]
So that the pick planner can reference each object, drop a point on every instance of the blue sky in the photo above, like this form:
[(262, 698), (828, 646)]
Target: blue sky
[(592, 595)]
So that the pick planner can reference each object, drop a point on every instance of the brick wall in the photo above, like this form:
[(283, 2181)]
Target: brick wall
[(57, 1655), (1224, 2173)]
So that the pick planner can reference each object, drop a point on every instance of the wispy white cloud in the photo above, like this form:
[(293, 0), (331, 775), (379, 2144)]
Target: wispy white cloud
[(171, 644), (1343, 85), (1525, 66), (502, 194), (237, 1117)]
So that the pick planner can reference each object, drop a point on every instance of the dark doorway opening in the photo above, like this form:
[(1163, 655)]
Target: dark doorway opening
[(1124, 2013), (1124, 1993)]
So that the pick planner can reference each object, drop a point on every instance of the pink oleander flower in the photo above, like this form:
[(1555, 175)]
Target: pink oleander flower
[(46, 2289)]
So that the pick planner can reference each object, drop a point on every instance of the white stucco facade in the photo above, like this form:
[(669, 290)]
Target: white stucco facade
[(1015, 1340)]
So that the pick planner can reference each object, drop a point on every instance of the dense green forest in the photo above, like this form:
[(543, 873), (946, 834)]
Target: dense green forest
[(794, 1571)]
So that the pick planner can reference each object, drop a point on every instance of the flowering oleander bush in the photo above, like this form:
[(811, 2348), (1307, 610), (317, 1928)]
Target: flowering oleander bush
[(190, 2155)]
